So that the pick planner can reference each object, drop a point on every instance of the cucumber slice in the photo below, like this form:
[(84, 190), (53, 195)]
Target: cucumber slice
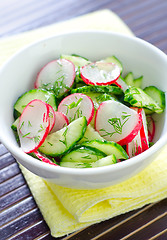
[(157, 95), (138, 81), (109, 160), (57, 143), (131, 81), (83, 155), (108, 148), (98, 98), (138, 98), (40, 94), (114, 60), (99, 89), (15, 124), (90, 134), (77, 60)]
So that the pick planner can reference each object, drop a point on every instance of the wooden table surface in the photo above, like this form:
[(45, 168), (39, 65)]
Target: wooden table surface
[(20, 218)]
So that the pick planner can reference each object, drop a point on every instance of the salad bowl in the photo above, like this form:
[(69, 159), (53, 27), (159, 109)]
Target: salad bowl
[(19, 72)]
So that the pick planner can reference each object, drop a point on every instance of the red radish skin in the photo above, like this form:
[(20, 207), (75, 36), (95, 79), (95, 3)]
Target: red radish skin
[(100, 73), (134, 148), (132, 135), (140, 143), (144, 132), (34, 124), (77, 105), (60, 121), (119, 115), (44, 159), (51, 117), (151, 128), (54, 72)]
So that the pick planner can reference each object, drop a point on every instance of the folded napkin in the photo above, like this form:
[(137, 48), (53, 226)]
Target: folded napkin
[(67, 210)]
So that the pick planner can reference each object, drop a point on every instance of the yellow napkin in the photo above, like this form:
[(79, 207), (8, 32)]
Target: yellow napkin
[(67, 210)]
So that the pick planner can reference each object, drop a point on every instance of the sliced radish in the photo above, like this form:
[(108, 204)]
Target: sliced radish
[(144, 131), (140, 143), (77, 105), (60, 121), (44, 159), (121, 83), (116, 122), (34, 124), (151, 128), (100, 73), (57, 75), (135, 146), (51, 117)]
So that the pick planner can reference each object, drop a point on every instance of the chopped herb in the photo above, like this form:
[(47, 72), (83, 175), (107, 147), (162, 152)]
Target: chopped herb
[(117, 125), (21, 125), (26, 134), (51, 144), (75, 104), (41, 128), (65, 139), (86, 157), (29, 124), (36, 139)]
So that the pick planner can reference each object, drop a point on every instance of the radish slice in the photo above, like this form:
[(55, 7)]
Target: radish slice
[(135, 146), (77, 105), (121, 83), (151, 128), (57, 75), (144, 131), (117, 122), (60, 121), (100, 73), (44, 159), (34, 124), (51, 117), (140, 143)]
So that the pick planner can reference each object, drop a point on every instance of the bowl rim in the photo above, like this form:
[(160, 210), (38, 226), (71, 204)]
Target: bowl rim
[(18, 153)]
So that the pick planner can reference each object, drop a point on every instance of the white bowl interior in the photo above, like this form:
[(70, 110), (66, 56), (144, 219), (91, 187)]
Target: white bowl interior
[(19, 73)]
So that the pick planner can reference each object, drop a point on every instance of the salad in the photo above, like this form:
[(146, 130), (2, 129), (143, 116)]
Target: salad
[(84, 114)]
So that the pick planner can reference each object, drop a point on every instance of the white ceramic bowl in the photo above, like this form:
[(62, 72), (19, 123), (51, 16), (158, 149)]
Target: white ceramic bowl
[(18, 74)]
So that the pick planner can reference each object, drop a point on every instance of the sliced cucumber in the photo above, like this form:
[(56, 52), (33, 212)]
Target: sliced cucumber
[(114, 60), (14, 125), (90, 134), (109, 160), (57, 143), (138, 81), (138, 98), (98, 98), (157, 95), (40, 94), (131, 81), (83, 155), (108, 148), (99, 89), (77, 60)]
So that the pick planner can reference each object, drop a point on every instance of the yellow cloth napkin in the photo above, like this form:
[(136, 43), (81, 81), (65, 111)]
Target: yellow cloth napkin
[(67, 210)]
